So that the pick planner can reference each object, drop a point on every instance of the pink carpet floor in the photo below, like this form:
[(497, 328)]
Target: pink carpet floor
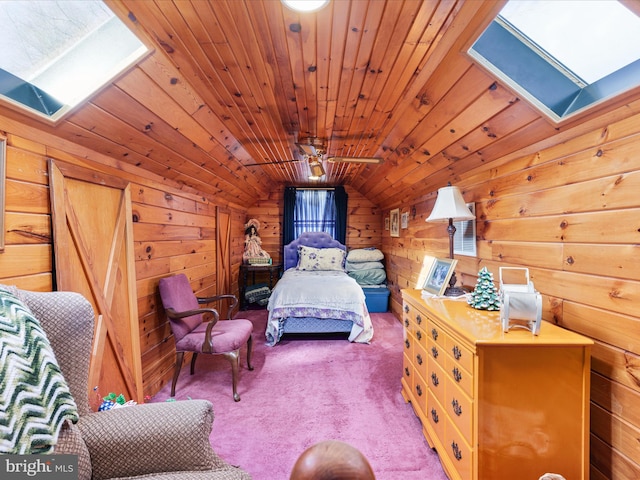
[(308, 389)]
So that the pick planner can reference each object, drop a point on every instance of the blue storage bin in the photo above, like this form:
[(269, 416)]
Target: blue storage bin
[(376, 298)]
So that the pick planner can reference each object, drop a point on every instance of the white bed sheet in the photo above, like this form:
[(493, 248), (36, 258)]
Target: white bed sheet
[(320, 294)]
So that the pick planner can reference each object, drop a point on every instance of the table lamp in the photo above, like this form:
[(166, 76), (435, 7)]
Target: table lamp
[(450, 207)]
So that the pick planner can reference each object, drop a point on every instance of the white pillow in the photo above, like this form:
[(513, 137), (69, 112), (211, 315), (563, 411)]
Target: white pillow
[(365, 255), (316, 259)]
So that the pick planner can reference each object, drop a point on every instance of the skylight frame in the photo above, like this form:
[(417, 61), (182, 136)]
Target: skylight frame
[(138, 49), (604, 94)]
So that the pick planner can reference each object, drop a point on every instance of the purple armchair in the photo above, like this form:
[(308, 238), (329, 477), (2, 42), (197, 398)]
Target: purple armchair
[(193, 334)]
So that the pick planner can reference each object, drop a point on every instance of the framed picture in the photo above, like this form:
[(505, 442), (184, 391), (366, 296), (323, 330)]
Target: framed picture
[(404, 220), (386, 223), (439, 276), (395, 222)]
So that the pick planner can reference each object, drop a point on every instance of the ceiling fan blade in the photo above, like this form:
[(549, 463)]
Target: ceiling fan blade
[(270, 163), (337, 159)]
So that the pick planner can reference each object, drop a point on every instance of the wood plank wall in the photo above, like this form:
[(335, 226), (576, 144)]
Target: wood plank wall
[(570, 212), (174, 231)]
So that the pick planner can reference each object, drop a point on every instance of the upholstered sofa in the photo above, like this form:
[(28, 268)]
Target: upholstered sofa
[(168, 440)]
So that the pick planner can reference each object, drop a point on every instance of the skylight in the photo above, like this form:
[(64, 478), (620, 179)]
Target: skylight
[(56, 54), (563, 55)]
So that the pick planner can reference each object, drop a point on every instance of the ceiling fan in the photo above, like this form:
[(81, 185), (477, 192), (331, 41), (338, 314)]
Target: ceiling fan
[(313, 149)]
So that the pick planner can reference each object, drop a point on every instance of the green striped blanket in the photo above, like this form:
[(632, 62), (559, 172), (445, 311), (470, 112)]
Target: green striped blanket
[(34, 397)]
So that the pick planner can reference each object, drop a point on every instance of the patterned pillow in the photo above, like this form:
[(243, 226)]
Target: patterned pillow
[(369, 254), (316, 259)]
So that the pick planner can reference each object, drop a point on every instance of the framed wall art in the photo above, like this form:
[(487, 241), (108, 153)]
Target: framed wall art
[(395, 222), (439, 276)]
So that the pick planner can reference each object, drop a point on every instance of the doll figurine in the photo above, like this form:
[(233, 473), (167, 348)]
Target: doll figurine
[(252, 242)]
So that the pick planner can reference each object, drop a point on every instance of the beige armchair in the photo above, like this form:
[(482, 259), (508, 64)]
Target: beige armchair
[(161, 440)]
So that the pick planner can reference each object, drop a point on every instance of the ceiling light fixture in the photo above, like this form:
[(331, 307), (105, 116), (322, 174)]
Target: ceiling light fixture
[(317, 170), (354, 160), (305, 6)]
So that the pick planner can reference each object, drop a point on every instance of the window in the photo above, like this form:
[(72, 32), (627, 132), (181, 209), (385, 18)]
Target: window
[(564, 56), (464, 240), (55, 54), (315, 212)]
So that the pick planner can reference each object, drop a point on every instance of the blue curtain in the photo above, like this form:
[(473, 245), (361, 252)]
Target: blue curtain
[(288, 210), (314, 210), (341, 198)]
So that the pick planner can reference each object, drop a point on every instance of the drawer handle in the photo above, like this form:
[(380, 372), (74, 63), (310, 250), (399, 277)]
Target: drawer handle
[(418, 319), (419, 359), (406, 322), (456, 451), (407, 344), (406, 371), (419, 390), (419, 335), (457, 376), (434, 352), (434, 379), (457, 409), (457, 353), (434, 415), (434, 334), (406, 309)]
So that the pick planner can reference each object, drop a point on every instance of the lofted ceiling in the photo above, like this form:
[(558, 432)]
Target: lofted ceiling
[(234, 83)]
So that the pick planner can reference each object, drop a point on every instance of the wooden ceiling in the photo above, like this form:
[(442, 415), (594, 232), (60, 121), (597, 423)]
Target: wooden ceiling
[(257, 77), (237, 82)]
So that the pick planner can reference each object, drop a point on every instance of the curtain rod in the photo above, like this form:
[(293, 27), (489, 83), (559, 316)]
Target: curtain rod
[(315, 188)]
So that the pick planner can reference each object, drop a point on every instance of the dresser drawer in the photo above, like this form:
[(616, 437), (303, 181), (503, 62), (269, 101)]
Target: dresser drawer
[(420, 359), (459, 353), (420, 392), (412, 321), (436, 352), (436, 415), (459, 375), (421, 336), (460, 453), (436, 378), (407, 373), (459, 408), (408, 341), (436, 334)]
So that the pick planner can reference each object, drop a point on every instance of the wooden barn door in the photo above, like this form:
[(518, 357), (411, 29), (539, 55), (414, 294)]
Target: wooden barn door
[(223, 257), (93, 247)]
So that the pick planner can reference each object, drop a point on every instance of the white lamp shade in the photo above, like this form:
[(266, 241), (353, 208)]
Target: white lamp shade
[(450, 205)]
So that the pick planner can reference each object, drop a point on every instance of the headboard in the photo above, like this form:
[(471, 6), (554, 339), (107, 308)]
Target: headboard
[(308, 239)]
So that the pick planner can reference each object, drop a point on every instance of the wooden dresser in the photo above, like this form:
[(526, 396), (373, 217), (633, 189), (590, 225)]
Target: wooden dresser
[(494, 404)]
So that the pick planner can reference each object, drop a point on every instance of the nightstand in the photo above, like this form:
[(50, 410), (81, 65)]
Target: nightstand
[(256, 271)]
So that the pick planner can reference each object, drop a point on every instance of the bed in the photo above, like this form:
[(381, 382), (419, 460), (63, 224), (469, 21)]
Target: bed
[(315, 294)]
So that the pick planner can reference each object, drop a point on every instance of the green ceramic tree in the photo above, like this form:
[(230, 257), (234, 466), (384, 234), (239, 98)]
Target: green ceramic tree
[(485, 295)]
